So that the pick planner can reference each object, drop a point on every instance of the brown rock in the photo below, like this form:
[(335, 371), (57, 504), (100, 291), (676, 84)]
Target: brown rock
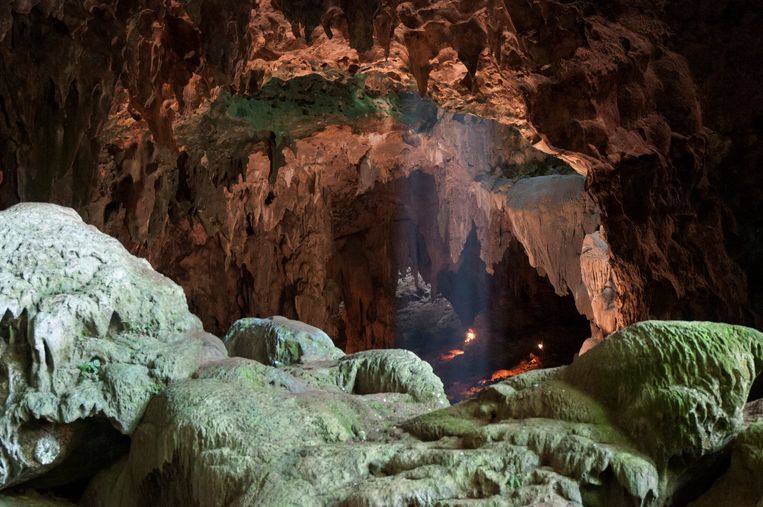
[(125, 114)]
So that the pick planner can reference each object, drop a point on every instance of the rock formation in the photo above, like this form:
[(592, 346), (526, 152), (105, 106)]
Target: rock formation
[(616, 427), (740, 485), (278, 341), (89, 334), (277, 157), (552, 216)]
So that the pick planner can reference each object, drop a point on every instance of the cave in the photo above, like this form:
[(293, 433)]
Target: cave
[(381, 252), (476, 328)]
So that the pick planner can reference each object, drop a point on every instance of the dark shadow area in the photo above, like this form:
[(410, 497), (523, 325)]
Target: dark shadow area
[(700, 477), (95, 446), (756, 391), (478, 328)]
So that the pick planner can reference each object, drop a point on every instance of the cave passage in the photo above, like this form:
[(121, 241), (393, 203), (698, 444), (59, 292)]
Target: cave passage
[(474, 325), (499, 332)]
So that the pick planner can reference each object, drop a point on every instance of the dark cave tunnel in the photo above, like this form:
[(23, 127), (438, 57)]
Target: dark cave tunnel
[(474, 325)]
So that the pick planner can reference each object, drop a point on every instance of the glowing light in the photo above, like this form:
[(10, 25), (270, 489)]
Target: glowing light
[(447, 356), (531, 363), (540, 346), (471, 335)]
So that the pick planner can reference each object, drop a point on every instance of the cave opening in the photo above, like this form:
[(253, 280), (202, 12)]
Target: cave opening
[(476, 330), (475, 323)]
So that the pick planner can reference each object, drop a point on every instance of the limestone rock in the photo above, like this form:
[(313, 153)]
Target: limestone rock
[(243, 433), (551, 216), (650, 402), (558, 426), (88, 332), (599, 281), (676, 388), (135, 118), (278, 341), (391, 371), (753, 411)]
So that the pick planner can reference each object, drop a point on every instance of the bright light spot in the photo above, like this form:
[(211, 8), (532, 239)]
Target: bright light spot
[(471, 335), (451, 354), (540, 346)]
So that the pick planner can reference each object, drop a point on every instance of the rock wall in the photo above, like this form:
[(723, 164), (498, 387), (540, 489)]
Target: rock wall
[(728, 85), (273, 156)]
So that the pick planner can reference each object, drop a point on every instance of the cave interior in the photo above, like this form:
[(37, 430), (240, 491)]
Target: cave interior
[(381, 252)]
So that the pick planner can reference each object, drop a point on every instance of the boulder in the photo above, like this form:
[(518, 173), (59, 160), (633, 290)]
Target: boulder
[(88, 334), (391, 371), (655, 405), (279, 341), (678, 389)]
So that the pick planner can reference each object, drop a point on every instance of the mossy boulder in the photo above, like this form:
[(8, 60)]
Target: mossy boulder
[(293, 345), (390, 371), (89, 334), (244, 433), (676, 388), (564, 428), (645, 407), (279, 341)]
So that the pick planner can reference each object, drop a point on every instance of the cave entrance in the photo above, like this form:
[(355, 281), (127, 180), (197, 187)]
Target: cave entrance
[(476, 328), (474, 325)]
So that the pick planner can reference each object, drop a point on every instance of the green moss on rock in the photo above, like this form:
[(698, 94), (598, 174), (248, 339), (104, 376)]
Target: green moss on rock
[(305, 104), (278, 341), (391, 371), (677, 388), (90, 332), (334, 433)]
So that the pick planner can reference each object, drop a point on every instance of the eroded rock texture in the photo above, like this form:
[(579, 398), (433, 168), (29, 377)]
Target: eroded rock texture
[(279, 341), (88, 334), (617, 427), (275, 157)]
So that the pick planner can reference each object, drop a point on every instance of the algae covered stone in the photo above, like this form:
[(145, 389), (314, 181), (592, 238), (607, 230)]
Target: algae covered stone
[(244, 433), (590, 460), (391, 371), (677, 388), (279, 341), (88, 331), (644, 407)]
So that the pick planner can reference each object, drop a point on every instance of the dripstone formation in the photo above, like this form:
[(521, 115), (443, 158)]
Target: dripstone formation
[(277, 140), (222, 221)]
